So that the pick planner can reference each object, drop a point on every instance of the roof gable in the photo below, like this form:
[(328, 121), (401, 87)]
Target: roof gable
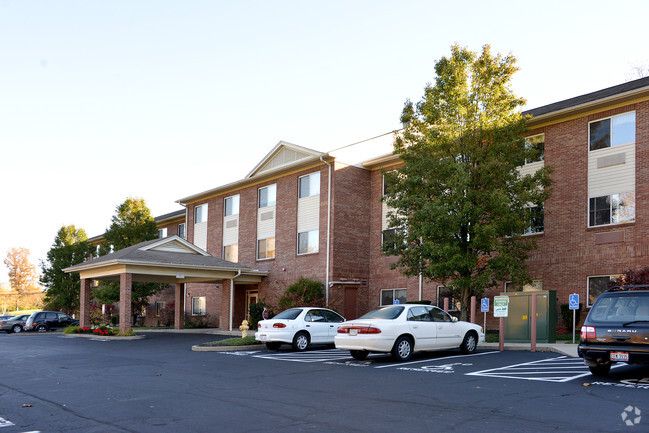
[(174, 244), (283, 155)]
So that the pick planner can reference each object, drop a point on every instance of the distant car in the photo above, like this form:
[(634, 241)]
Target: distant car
[(5, 316), (404, 329), (616, 329), (14, 324), (43, 321), (299, 327)]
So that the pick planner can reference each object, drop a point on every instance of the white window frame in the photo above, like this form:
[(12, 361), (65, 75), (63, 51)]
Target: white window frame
[(184, 230), (611, 214), (236, 259), (159, 305), (235, 203), (274, 250), (610, 277), (203, 213), (530, 230), (204, 302), (393, 295), (272, 188), (528, 144), (611, 134), (162, 233), (314, 185), (309, 233)]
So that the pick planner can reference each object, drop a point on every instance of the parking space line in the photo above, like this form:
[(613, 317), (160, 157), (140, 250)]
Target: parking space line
[(5, 422), (401, 364), (310, 356), (560, 369)]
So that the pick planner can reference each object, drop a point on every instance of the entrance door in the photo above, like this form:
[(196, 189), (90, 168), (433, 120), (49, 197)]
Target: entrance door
[(351, 300), (251, 298)]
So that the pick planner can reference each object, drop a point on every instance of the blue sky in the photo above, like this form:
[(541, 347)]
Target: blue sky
[(163, 99)]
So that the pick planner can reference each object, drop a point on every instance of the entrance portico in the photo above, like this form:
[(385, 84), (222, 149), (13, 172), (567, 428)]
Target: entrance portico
[(171, 260)]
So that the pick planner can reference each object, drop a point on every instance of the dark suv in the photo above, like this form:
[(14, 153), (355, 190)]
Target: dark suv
[(43, 321), (616, 329)]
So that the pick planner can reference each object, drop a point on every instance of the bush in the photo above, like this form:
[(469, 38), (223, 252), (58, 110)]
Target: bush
[(100, 330), (256, 313), (303, 293), (566, 315), (167, 315), (197, 321)]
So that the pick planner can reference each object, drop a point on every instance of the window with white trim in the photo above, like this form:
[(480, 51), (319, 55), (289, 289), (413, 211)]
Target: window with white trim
[(535, 146), (611, 209), (200, 214), (611, 131), (388, 296), (198, 306), (231, 205), (231, 253), (309, 185), (537, 220), (267, 196), (598, 285), (162, 233), (266, 248), (307, 242), (159, 305), (181, 231)]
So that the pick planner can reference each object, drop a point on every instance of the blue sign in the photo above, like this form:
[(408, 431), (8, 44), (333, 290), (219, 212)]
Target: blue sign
[(484, 305), (395, 302), (573, 301)]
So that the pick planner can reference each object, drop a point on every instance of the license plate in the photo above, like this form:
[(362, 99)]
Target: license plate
[(353, 332), (263, 337), (619, 356)]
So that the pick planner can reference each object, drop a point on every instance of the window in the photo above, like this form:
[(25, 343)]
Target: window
[(611, 131), (536, 215), (386, 186), (267, 196), (159, 305), (442, 293), (309, 185), (597, 286), (162, 233), (200, 214), (611, 209), (314, 316), (534, 146), (266, 248), (181, 230), (535, 286), (307, 242), (419, 314), (231, 205), (231, 253), (388, 239), (198, 306), (390, 295)]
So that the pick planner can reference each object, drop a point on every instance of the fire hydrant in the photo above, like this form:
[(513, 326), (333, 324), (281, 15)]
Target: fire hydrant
[(244, 329)]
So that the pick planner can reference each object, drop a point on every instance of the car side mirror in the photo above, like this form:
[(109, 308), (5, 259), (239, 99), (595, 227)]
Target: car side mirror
[(454, 319)]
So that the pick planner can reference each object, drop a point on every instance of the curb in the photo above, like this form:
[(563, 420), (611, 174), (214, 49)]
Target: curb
[(200, 348), (106, 337)]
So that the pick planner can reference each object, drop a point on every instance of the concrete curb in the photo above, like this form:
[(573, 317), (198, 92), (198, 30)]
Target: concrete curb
[(560, 348), (107, 337), (200, 348)]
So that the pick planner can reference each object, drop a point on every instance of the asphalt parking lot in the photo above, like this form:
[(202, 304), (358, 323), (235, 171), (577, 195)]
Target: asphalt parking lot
[(50, 383)]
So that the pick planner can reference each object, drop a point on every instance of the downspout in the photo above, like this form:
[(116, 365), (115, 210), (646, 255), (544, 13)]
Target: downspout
[(328, 231), (420, 286), (232, 297)]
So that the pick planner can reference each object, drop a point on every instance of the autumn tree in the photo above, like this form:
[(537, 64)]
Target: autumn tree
[(459, 203), (23, 276), (70, 247), (131, 224)]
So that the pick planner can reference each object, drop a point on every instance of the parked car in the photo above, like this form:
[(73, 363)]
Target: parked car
[(14, 324), (299, 327), (616, 329), (5, 316), (404, 329), (43, 321)]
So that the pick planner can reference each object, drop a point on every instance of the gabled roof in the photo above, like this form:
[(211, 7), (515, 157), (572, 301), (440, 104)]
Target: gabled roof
[(283, 155)]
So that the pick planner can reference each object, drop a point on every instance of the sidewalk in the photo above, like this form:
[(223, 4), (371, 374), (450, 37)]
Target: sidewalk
[(567, 348)]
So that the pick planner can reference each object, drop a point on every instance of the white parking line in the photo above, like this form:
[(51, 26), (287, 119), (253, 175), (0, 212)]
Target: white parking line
[(310, 356), (5, 423), (561, 369), (401, 364)]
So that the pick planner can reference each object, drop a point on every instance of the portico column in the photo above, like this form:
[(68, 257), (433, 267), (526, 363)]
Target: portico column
[(179, 308), (125, 286), (84, 303)]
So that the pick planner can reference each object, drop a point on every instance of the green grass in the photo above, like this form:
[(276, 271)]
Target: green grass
[(234, 342)]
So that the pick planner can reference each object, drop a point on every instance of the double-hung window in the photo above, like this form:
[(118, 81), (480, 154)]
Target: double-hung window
[(231, 205), (181, 230), (309, 185), (612, 131), (307, 242), (534, 148), (267, 196), (198, 306), (200, 214), (162, 233)]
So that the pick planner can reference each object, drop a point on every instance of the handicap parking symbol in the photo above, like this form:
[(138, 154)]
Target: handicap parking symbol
[(573, 301)]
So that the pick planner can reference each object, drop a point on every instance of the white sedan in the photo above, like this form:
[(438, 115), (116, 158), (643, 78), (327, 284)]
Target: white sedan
[(299, 327), (404, 329)]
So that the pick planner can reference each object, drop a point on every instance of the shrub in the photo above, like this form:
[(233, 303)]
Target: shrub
[(256, 313), (100, 330), (566, 315), (197, 321), (303, 293), (167, 315), (632, 276)]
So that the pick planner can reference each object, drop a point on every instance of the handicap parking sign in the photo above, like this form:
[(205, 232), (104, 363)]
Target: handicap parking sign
[(573, 301), (484, 305)]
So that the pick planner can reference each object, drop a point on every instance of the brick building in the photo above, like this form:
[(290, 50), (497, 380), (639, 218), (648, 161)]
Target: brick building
[(301, 212)]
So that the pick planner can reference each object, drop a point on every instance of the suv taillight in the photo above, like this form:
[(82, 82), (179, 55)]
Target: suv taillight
[(587, 333)]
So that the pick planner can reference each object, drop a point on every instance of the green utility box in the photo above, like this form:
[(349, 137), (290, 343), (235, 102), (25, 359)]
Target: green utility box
[(518, 323)]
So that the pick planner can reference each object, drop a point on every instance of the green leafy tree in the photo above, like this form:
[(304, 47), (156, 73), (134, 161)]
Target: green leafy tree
[(131, 224), (70, 248), (303, 293), (459, 204)]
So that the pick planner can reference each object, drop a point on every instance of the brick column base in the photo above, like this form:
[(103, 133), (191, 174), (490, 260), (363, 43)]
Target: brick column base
[(125, 286)]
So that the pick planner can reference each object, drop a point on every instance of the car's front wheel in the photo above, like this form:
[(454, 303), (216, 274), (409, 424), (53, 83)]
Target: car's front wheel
[(600, 369), (359, 355), (41, 328), (273, 345), (469, 343), (402, 350), (301, 341), (16, 329)]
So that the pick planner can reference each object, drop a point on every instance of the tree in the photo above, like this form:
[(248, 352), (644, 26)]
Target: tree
[(631, 277), (23, 276), (131, 224), (70, 248), (459, 204)]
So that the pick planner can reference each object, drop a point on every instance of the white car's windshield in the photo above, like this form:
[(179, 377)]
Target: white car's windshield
[(389, 313), (288, 314)]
